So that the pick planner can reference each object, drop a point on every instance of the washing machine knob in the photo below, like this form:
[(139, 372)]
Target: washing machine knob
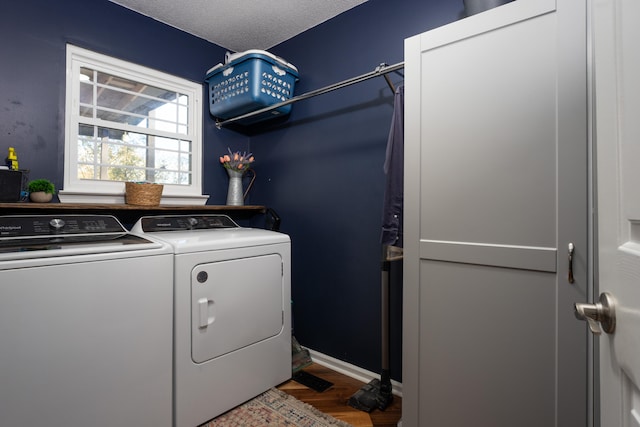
[(192, 222), (56, 223)]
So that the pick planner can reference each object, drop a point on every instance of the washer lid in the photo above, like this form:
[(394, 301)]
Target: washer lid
[(39, 236)]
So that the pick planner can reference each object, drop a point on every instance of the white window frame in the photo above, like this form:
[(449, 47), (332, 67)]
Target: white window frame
[(95, 191)]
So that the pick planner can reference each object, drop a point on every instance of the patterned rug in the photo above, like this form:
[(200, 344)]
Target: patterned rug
[(275, 408)]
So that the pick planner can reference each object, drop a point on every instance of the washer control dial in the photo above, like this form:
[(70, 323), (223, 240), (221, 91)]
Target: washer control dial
[(56, 223)]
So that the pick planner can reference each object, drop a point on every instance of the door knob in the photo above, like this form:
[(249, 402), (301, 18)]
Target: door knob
[(601, 316)]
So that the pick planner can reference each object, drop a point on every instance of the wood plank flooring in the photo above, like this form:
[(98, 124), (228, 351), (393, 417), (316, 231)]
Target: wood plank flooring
[(334, 400)]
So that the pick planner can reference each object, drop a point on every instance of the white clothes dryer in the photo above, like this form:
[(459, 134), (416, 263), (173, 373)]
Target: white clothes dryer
[(232, 314), (85, 323)]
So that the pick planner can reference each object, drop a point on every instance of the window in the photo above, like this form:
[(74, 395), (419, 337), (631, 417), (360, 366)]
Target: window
[(125, 122)]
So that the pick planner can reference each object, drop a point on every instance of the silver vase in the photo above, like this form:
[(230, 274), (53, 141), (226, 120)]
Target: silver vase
[(235, 195)]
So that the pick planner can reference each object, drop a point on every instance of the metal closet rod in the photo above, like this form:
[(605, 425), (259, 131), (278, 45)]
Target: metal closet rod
[(381, 70)]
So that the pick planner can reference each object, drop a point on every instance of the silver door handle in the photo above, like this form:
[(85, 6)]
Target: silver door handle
[(571, 249), (601, 316)]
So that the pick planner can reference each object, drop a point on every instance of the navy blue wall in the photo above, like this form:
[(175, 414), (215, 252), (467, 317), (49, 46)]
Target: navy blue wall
[(321, 170), (33, 36)]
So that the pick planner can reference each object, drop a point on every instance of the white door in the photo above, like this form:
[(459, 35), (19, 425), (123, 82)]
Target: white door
[(495, 191), (617, 111)]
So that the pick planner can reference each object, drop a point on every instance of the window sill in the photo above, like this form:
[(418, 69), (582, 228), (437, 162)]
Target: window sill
[(118, 198)]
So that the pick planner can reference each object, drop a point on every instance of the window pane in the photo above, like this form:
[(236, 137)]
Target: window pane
[(173, 177), (89, 153), (126, 101), (126, 174), (115, 155), (86, 93)]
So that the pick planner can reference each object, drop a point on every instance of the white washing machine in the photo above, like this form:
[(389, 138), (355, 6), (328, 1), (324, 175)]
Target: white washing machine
[(232, 322), (85, 324)]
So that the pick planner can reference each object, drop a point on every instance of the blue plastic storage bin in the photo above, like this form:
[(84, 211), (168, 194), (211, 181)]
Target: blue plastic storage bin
[(249, 81)]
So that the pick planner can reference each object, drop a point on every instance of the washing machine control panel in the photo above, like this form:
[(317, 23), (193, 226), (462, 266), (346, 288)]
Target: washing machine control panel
[(186, 222), (48, 225), (33, 234)]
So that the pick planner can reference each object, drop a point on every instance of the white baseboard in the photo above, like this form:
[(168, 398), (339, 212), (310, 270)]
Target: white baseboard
[(350, 370)]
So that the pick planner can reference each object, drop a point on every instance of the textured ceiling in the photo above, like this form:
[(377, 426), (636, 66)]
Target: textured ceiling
[(239, 25)]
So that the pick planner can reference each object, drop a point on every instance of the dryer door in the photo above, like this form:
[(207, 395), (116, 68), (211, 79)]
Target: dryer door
[(235, 303)]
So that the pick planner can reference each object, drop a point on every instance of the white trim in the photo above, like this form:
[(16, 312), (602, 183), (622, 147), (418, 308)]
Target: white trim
[(350, 370), (119, 198)]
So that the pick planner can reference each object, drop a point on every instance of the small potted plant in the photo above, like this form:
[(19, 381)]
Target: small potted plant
[(41, 190)]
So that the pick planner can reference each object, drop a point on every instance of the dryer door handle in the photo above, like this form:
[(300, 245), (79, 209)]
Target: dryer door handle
[(203, 311)]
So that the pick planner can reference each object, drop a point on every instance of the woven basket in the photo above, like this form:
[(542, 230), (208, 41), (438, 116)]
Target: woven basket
[(143, 194)]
